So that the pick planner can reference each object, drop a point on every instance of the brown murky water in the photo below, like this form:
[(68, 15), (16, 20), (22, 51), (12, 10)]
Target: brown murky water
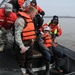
[(67, 39)]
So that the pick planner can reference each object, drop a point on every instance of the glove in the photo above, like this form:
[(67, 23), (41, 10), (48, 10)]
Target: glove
[(53, 35), (42, 13)]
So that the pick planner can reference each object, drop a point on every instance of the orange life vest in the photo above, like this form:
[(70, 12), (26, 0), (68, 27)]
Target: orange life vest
[(53, 27), (20, 2), (59, 30), (28, 32), (47, 40)]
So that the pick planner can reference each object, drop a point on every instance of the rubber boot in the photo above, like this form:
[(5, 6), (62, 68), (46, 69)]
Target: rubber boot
[(29, 69), (47, 68), (57, 65)]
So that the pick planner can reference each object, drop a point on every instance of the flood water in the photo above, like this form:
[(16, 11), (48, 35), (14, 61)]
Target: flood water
[(67, 38)]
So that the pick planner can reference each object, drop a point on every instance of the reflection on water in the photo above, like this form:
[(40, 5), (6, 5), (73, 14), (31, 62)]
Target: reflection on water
[(68, 37)]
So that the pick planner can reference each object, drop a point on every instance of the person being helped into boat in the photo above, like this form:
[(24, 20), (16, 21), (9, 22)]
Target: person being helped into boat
[(47, 48), (44, 43), (38, 20), (7, 19), (24, 37)]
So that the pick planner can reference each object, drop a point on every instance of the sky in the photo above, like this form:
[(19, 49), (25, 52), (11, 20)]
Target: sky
[(57, 7)]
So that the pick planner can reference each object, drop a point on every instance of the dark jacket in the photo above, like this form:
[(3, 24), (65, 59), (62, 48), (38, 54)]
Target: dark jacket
[(43, 49)]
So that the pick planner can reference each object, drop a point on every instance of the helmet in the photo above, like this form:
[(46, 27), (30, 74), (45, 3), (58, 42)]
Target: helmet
[(35, 3), (55, 17), (47, 28)]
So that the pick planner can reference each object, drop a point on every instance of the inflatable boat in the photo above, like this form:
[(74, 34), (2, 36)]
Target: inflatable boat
[(10, 66)]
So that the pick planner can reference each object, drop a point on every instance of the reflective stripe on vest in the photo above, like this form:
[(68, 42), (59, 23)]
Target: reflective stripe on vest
[(54, 29)]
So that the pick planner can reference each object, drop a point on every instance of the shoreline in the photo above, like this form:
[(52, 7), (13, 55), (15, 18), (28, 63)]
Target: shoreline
[(60, 16)]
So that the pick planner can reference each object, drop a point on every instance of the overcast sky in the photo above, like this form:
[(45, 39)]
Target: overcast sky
[(57, 7)]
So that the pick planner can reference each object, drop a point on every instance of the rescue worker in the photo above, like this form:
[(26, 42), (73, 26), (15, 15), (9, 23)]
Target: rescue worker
[(17, 4), (24, 37), (56, 30), (38, 20), (47, 48), (7, 19)]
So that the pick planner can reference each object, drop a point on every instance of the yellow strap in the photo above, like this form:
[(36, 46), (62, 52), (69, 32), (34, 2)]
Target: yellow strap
[(55, 31)]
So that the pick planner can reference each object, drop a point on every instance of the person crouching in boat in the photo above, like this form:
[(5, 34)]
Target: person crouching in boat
[(7, 19), (24, 37)]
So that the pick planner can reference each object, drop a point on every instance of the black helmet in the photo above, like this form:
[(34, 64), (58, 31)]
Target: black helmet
[(55, 17), (33, 2)]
